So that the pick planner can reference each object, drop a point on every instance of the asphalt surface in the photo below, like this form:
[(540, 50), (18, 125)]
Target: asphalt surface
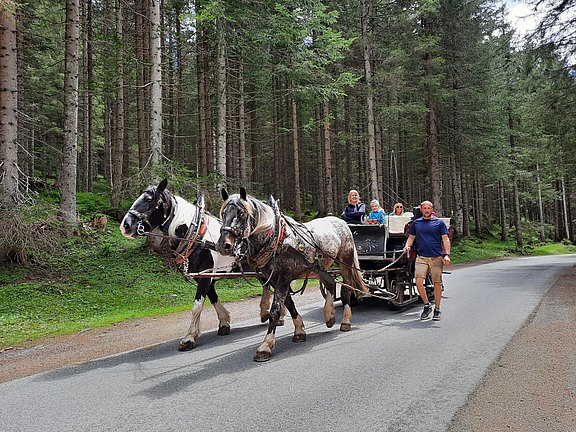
[(390, 373)]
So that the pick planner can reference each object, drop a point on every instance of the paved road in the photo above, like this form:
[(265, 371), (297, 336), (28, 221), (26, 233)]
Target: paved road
[(390, 373)]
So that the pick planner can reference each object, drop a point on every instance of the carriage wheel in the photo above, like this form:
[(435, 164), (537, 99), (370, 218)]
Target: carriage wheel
[(398, 289)]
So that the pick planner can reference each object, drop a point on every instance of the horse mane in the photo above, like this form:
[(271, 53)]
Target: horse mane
[(260, 213)]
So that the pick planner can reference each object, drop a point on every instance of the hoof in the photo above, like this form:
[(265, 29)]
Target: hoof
[(330, 323), (280, 323), (299, 337), (224, 330), (187, 345), (262, 356), (264, 318), (345, 327)]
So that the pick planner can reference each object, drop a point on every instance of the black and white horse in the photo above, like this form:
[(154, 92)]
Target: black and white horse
[(157, 207), (284, 250)]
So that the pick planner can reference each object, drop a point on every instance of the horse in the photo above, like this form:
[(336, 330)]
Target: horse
[(189, 229), (283, 250)]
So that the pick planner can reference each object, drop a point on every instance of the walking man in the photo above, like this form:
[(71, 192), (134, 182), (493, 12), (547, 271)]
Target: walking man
[(432, 253)]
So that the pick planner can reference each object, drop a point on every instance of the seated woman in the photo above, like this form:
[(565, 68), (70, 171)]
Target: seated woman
[(377, 215), (355, 210), (398, 210)]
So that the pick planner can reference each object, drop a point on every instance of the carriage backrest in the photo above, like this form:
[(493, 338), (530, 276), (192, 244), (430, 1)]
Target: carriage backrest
[(369, 239)]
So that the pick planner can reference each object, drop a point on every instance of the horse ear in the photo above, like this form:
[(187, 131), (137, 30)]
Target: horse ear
[(162, 185), (272, 202), (224, 194), (243, 193)]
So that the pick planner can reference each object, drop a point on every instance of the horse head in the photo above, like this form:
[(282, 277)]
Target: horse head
[(150, 210), (235, 214), (244, 218)]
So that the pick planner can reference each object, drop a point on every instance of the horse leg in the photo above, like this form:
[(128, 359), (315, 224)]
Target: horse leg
[(221, 312), (188, 342), (351, 276), (299, 333), (329, 311), (264, 351), (201, 259), (346, 324), (265, 306)]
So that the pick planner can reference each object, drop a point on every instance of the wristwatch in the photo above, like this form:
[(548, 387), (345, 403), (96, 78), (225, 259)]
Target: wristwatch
[(445, 255)]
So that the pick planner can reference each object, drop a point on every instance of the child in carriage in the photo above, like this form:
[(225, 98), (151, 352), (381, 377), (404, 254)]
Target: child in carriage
[(377, 215)]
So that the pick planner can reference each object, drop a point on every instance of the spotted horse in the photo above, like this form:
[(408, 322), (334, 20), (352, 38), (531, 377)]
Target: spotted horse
[(283, 250)]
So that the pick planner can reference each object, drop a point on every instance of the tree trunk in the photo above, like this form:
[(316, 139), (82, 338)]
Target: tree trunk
[(371, 132), (478, 213), (88, 74), (320, 194), (242, 126), (348, 144), (204, 155), (502, 209), (8, 106), (155, 83), (515, 195), (565, 209), (295, 151), (458, 198), (540, 204), (222, 103), (142, 120), (327, 158), (275, 131), (70, 148), (569, 218), (465, 205), (432, 143), (118, 142)]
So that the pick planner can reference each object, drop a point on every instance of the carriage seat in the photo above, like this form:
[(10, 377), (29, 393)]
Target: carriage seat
[(397, 224)]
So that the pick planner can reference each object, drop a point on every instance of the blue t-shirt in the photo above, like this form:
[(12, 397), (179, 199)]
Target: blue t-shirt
[(428, 234), (377, 215)]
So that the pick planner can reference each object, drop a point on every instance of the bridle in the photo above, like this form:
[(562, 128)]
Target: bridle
[(235, 229), (165, 200), (275, 238)]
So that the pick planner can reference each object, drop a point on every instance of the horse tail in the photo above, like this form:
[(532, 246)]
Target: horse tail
[(356, 275)]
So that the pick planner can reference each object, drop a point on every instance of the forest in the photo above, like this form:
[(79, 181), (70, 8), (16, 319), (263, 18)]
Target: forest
[(402, 100)]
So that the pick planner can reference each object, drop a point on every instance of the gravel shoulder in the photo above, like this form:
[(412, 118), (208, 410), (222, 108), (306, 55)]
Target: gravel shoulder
[(530, 387)]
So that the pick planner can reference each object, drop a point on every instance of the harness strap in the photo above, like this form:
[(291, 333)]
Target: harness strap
[(192, 239), (313, 267)]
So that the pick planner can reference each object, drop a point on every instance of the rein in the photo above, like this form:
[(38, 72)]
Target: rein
[(205, 243)]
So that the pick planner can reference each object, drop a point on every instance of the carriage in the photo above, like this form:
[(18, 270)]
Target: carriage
[(370, 259), (388, 271)]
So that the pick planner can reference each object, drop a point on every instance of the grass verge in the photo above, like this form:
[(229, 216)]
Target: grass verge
[(95, 282)]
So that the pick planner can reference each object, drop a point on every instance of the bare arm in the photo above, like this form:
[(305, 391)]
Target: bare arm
[(409, 242), (446, 248)]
